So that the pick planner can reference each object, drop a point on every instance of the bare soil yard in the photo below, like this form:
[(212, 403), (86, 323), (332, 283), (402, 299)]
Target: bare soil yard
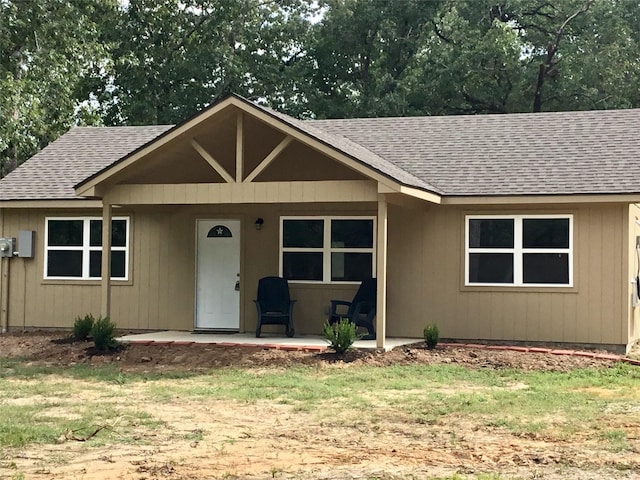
[(207, 438)]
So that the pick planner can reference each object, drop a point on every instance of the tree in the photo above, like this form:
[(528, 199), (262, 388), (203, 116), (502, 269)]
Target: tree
[(171, 58), (46, 47)]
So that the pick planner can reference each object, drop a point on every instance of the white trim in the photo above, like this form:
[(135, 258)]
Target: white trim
[(518, 251), (326, 248), (86, 248)]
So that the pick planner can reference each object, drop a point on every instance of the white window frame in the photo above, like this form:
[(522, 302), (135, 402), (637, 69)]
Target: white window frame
[(518, 251), (85, 248), (326, 249)]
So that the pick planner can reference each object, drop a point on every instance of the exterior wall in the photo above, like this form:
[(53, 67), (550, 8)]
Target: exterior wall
[(634, 271), (425, 275), (426, 280), (161, 290)]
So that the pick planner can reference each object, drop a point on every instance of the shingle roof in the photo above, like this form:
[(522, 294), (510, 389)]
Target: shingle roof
[(564, 153), (52, 173), (516, 154), (353, 149)]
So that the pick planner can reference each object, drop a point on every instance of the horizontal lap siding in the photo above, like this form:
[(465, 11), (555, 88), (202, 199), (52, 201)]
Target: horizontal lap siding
[(426, 276)]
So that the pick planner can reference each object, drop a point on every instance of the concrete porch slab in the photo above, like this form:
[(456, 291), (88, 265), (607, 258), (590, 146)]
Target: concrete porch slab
[(299, 342)]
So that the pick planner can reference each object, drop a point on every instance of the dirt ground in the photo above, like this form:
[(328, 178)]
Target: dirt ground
[(60, 350), (219, 440)]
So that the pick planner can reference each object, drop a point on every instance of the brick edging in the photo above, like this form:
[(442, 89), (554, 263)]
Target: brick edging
[(549, 351), (477, 346)]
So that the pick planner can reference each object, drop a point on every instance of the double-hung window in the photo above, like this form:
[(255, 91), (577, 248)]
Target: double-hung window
[(519, 250), (327, 249), (73, 248)]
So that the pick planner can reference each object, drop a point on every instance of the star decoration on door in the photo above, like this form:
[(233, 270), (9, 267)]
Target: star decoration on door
[(219, 231)]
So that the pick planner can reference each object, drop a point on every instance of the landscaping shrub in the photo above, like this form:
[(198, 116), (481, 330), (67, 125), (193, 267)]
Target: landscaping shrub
[(431, 335), (103, 334), (340, 335), (82, 327)]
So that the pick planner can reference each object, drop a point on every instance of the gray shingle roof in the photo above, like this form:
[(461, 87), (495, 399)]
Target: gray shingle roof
[(356, 151), (518, 154), (564, 153), (82, 151)]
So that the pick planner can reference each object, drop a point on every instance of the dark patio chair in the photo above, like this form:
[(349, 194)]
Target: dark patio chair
[(274, 304), (361, 310)]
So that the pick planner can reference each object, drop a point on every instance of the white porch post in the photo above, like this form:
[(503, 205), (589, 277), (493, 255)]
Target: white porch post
[(105, 310), (381, 273)]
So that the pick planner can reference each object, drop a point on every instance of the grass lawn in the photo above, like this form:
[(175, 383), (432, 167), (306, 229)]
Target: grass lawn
[(433, 421)]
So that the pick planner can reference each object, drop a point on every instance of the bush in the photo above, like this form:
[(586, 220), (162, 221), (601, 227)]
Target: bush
[(340, 335), (103, 334), (431, 336), (82, 327)]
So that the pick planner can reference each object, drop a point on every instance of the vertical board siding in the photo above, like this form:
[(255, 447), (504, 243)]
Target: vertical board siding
[(161, 291), (633, 312), (426, 253), (425, 275)]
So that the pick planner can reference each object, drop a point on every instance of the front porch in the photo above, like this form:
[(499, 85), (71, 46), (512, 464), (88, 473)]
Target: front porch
[(275, 341)]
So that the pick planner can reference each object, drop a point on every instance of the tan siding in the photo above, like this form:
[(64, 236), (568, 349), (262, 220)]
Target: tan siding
[(633, 313), (591, 312), (160, 293), (276, 192), (425, 269)]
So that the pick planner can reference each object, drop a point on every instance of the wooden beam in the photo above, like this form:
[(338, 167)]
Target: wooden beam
[(381, 273), (269, 158), (237, 193), (211, 161), (105, 310), (239, 146)]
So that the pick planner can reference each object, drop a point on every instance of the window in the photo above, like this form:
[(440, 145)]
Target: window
[(519, 250), (327, 249), (73, 248)]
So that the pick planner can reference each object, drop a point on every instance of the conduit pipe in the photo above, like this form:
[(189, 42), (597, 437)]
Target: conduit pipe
[(4, 284)]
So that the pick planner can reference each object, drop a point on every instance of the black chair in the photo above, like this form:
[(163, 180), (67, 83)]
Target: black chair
[(274, 304), (361, 310)]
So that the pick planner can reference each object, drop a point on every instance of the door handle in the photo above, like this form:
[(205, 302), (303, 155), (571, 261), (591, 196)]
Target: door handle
[(237, 287)]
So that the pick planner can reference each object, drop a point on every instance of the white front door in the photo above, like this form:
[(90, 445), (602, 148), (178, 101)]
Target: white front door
[(218, 275)]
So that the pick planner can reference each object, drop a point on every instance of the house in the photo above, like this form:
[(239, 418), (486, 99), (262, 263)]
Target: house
[(515, 227)]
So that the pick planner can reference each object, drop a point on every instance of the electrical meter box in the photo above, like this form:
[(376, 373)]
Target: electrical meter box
[(25, 243), (7, 247)]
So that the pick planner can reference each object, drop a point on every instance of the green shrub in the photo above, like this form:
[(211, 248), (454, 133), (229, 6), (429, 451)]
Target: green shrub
[(82, 327), (103, 334), (431, 335), (340, 335)]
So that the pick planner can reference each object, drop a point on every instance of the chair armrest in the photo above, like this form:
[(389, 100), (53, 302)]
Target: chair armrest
[(369, 307), (337, 303)]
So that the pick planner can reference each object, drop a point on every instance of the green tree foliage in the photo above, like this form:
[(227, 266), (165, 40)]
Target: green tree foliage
[(160, 61), (474, 56), (170, 58), (46, 46)]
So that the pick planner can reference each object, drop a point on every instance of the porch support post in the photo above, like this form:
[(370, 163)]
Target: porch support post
[(239, 147), (105, 310), (381, 273)]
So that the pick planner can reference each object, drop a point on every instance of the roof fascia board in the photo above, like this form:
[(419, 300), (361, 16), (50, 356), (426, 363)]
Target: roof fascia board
[(178, 130), (541, 199), (421, 194), (50, 204)]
